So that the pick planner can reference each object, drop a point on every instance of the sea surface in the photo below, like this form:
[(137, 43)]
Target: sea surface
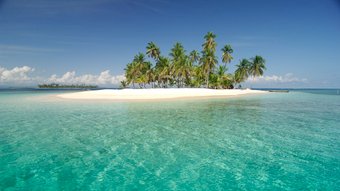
[(277, 141)]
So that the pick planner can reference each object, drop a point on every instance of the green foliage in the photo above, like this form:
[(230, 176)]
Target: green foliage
[(257, 66), (226, 54), (192, 70), (123, 84), (153, 51), (210, 43), (209, 60), (194, 56), (242, 71)]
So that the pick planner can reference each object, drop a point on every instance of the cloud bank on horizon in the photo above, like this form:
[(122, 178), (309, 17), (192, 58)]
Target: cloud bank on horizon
[(287, 78), (104, 78), (24, 76)]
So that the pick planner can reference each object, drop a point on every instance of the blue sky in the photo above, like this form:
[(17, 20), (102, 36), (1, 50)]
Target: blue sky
[(44, 40)]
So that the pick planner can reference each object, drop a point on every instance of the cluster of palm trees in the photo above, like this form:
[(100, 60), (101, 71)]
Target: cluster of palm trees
[(189, 70)]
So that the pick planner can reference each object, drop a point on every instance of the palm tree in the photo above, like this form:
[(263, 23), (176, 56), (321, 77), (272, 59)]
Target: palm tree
[(210, 42), (136, 72), (178, 59), (220, 75), (226, 54), (131, 73), (186, 71), (209, 59), (146, 73), (194, 56), (227, 81), (198, 77), (257, 66), (224, 80), (177, 52), (153, 51), (209, 62), (242, 71), (139, 59), (123, 84), (163, 71), (221, 70)]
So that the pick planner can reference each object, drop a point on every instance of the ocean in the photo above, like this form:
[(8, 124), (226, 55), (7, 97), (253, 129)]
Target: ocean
[(276, 141)]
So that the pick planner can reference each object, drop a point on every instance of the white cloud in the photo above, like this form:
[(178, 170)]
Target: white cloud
[(287, 78), (16, 75), (25, 76), (104, 78)]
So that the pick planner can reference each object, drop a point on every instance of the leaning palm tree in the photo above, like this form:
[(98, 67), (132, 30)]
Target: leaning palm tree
[(242, 71), (153, 51), (257, 66), (131, 73), (226, 54), (138, 62), (146, 73)]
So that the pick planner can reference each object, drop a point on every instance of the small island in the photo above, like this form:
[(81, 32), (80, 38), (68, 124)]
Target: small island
[(181, 75), (63, 86)]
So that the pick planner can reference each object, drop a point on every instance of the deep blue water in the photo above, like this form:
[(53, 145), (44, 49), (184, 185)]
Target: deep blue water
[(277, 141)]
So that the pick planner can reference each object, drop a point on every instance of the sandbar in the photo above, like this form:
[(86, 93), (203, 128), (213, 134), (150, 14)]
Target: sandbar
[(156, 93)]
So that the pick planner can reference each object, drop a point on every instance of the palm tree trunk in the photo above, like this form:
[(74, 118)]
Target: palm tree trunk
[(207, 81), (207, 78)]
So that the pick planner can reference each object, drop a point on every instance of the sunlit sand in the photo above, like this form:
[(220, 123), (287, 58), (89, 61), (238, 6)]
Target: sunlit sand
[(151, 94)]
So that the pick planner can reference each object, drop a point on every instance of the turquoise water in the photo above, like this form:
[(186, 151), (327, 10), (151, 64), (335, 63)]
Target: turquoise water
[(277, 141)]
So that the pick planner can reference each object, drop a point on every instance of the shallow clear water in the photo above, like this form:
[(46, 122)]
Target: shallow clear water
[(278, 141)]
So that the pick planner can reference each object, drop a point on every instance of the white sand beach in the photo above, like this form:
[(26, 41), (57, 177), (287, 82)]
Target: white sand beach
[(157, 93)]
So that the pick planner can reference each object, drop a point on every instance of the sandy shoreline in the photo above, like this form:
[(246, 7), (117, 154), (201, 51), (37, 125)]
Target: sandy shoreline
[(155, 94)]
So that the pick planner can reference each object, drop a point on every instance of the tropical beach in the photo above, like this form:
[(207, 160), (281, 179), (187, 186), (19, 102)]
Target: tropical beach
[(181, 75), (157, 94), (192, 75)]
